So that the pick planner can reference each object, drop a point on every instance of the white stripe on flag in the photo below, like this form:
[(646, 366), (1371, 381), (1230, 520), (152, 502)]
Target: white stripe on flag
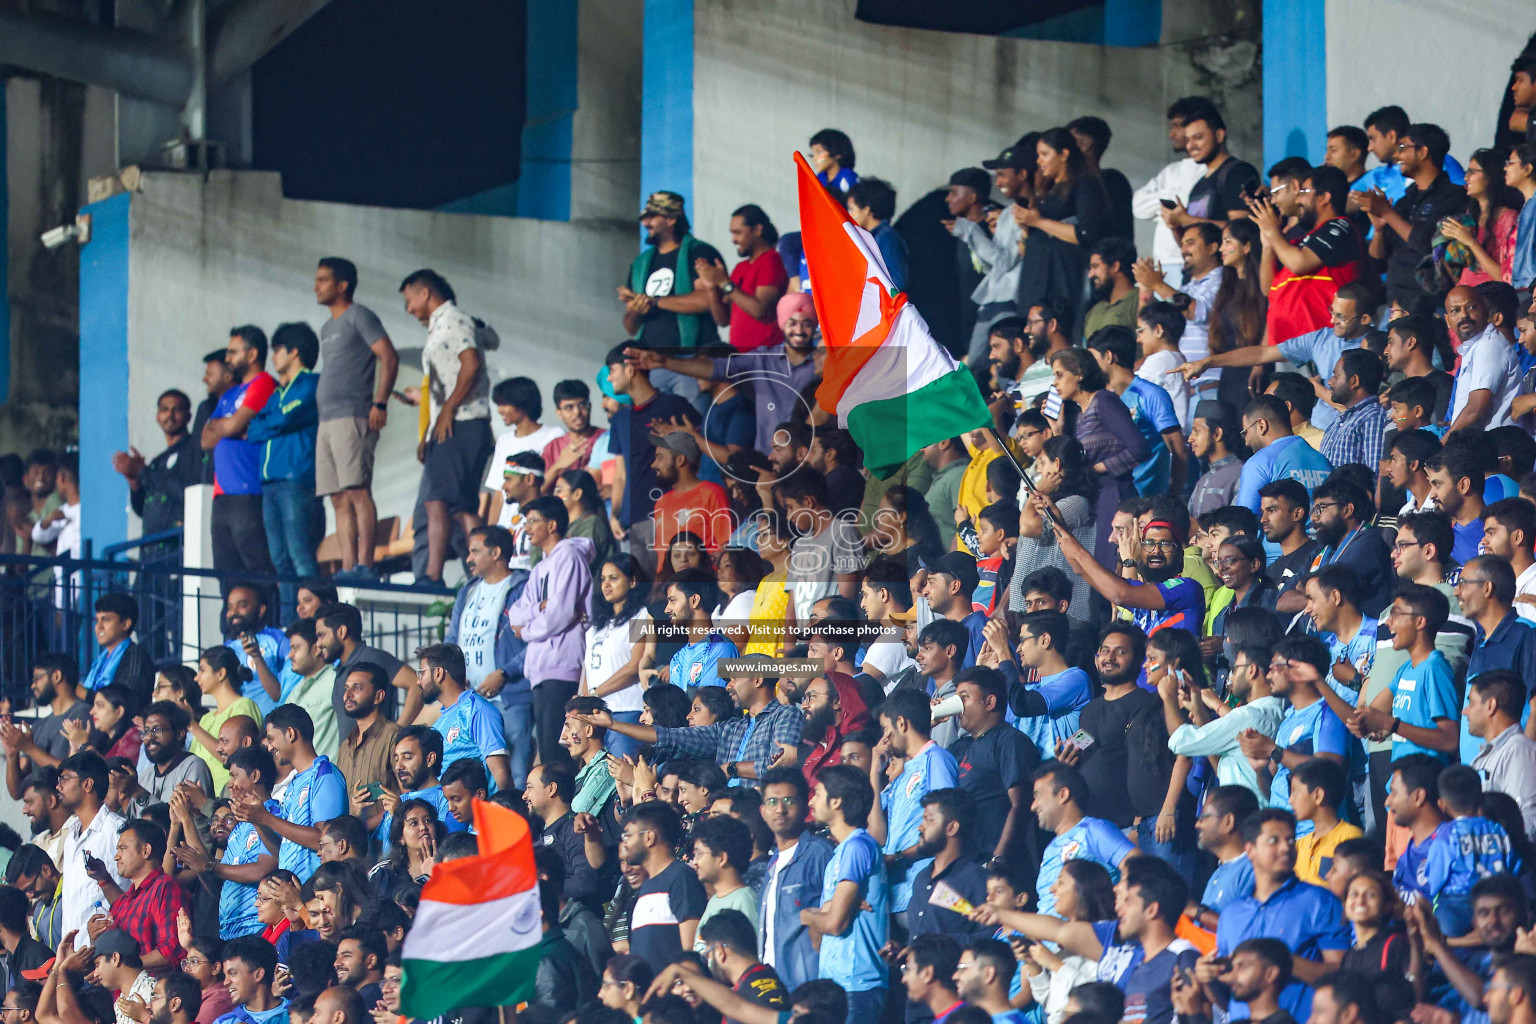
[(450, 931)]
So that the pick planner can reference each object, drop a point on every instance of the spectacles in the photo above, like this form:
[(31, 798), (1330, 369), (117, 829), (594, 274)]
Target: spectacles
[(1306, 191), (1464, 581), (1317, 505), (1231, 561), (191, 961), (776, 802), (1404, 545), (68, 777), (1161, 545), (389, 983)]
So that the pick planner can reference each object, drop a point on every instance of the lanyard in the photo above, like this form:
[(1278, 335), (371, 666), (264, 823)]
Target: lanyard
[(1326, 558), (741, 749)]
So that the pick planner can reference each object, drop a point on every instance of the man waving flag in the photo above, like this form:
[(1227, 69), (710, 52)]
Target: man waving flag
[(886, 379)]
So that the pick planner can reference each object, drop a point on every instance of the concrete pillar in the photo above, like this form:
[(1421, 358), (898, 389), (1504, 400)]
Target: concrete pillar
[(201, 600), (666, 100), (104, 370)]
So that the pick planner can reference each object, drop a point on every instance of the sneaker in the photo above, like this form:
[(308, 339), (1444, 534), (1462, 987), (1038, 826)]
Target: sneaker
[(357, 574)]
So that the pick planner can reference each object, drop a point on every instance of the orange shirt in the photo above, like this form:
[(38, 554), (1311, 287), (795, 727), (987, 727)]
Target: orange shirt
[(703, 509)]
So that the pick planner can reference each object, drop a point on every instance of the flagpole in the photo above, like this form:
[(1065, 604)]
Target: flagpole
[(1024, 476)]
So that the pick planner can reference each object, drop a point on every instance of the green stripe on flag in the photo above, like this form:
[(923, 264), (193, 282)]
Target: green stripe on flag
[(431, 988), (890, 430)]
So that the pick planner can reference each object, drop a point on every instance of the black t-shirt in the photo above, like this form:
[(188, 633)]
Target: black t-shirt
[(629, 435), (1288, 571), (663, 903), (1444, 384), (990, 765), (659, 325), (1104, 764), (1386, 953), (1423, 211), (760, 984), (1335, 243), (1216, 194), (1118, 219)]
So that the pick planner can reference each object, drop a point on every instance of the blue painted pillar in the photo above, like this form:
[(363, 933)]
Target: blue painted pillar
[(666, 100), (5, 293), (544, 185), (104, 371), (1295, 80), (1133, 22)]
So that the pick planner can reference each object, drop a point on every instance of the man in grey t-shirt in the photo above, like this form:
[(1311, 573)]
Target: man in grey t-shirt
[(353, 401)]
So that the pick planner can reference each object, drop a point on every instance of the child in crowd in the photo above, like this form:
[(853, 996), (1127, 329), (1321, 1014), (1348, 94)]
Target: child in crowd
[(1476, 849)]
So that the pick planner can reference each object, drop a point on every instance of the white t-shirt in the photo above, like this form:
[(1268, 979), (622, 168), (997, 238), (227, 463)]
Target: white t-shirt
[(1526, 584), (508, 443), (771, 899), (1488, 362), (739, 609), (477, 628), (889, 656), (1158, 368), (143, 988), (511, 517), (608, 650)]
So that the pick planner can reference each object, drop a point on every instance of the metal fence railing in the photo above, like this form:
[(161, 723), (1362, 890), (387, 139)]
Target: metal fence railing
[(46, 606)]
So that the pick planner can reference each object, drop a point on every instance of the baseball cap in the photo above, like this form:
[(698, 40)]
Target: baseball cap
[(962, 567), (681, 444), (664, 204), (973, 178), (1014, 158), (117, 941), (903, 617)]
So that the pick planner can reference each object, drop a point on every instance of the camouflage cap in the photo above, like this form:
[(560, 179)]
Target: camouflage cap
[(664, 204)]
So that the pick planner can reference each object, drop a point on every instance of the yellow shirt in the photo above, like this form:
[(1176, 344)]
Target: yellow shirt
[(1310, 434), (973, 486), (1314, 853), (769, 606), (211, 722)]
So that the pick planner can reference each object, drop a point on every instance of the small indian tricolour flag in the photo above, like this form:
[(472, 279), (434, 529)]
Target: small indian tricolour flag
[(475, 940), (887, 381)]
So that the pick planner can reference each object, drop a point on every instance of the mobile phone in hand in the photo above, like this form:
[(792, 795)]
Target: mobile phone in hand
[(1169, 204)]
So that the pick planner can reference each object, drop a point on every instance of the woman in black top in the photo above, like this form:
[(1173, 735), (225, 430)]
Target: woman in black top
[(1061, 225), (1381, 944)]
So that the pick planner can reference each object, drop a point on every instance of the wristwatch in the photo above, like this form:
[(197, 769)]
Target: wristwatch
[(730, 769), (1128, 563), (727, 288), (381, 405)]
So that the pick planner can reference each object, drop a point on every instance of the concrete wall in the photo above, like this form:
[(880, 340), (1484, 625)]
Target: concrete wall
[(1392, 51), (918, 105), (207, 256)]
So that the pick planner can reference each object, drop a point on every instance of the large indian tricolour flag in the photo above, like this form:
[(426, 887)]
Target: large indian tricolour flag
[(475, 940), (887, 381)]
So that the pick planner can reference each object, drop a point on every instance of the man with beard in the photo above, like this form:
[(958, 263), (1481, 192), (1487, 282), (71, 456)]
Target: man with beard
[(339, 632), (833, 709), (1499, 911), (32, 871), (313, 679), (416, 760), (1404, 229), (1324, 251), (1114, 293), (45, 810), (1214, 437), (746, 299), (690, 596), (982, 978), (687, 503), (1109, 718), (1309, 729), (165, 748), (550, 789), (1200, 249), (1218, 195), (584, 743), (55, 679), (794, 876), (730, 942), (90, 840), (745, 747), (995, 762), (248, 635), (1334, 594), (948, 817), (940, 647), (671, 899), (1456, 482), (582, 445), (1171, 184), (1489, 376), (1411, 352), (665, 307), (238, 538), (1196, 730), (176, 1000), (1283, 515), (948, 459), (1163, 597), (1357, 435), (778, 373), (1340, 513), (469, 725), (367, 750), (317, 792)]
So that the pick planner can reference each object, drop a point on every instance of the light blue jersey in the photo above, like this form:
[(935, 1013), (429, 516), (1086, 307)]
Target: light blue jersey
[(1420, 694), (1065, 694), (852, 959), (1152, 412), (1230, 880), (471, 727), (931, 768), (698, 664), (237, 900), (1090, 839), (1359, 652), (274, 651), (432, 795), (315, 795)]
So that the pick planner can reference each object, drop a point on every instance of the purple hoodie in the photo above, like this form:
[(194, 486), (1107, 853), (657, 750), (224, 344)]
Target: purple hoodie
[(553, 610)]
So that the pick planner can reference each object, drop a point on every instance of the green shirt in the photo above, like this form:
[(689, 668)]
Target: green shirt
[(594, 786), (741, 898), (943, 495), (1106, 313), (314, 695), (211, 722), (914, 473)]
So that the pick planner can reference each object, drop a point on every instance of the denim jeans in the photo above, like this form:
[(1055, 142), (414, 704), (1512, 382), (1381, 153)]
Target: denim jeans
[(517, 722), (1178, 852), (623, 746), (295, 522), (865, 1007)]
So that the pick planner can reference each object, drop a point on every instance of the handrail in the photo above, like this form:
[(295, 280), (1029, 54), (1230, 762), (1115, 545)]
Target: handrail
[(111, 551), (99, 565)]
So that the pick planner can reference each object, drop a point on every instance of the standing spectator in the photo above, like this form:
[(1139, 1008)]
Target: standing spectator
[(996, 253), (33, 872), (1221, 834), (827, 554), (353, 408), (1456, 487), (217, 379), (1172, 184), (54, 688), (459, 439), (1156, 411), (594, 784), (366, 751), (966, 200), (493, 653), (519, 404), (1486, 590), (155, 488), (1060, 794), (339, 630), (671, 900), (1060, 225), (1113, 290), (582, 445), (1520, 175), (747, 300), (1218, 195), (1214, 438), (1093, 135), (852, 920), (1307, 265), (285, 428), (316, 792), (121, 662), (995, 762), (1205, 733), (1403, 230), (1203, 274), (948, 815), (239, 537), (1356, 435), (793, 879), (895, 820), (146, 909), (1496, 700), (1278, 454), (731, 952), (664, 306), (1509, 530), (630, 436), (22, 954), (470, 727), (548, 616), (872, 206), (90, 842)]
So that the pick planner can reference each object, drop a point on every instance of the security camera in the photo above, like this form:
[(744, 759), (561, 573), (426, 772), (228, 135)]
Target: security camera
[(79, 231)]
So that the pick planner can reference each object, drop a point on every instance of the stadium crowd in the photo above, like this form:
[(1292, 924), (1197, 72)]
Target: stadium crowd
[(1196, 687)]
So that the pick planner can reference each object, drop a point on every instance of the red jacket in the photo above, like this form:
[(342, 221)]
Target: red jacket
[(852, 715)]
